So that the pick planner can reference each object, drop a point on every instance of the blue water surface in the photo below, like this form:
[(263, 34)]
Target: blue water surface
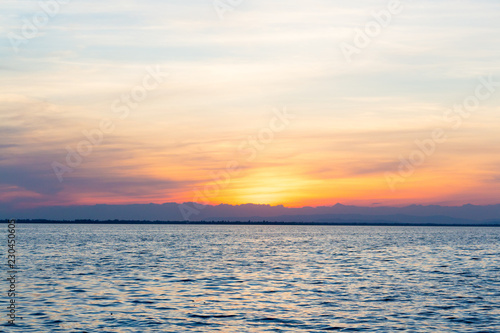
[(213, 278)]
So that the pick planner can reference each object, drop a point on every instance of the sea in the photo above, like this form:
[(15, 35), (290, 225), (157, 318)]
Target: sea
[(253, 278)]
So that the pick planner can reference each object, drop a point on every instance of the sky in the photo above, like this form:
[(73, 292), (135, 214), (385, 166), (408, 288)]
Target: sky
[(299, 103)]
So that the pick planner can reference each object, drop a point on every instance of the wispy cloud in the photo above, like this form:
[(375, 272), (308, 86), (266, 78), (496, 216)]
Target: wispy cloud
[(225, 77)]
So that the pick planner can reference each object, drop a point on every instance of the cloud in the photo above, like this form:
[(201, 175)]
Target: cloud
[(353, 120)]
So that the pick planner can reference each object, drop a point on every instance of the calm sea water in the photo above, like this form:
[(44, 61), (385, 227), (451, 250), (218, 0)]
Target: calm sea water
[(192, 278)]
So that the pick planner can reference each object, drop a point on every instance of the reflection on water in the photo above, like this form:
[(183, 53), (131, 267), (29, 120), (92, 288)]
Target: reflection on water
[(191, 278)]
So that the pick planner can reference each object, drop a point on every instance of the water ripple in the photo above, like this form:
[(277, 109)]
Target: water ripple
[(188, 278)]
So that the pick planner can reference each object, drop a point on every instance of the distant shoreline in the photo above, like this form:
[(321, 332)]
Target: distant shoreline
[(260, 223)]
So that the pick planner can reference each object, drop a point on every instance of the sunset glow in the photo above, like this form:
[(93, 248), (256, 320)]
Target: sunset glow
[(153, 108)]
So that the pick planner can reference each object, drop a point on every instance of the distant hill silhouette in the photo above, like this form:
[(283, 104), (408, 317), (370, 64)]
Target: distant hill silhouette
[(433, 214)]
